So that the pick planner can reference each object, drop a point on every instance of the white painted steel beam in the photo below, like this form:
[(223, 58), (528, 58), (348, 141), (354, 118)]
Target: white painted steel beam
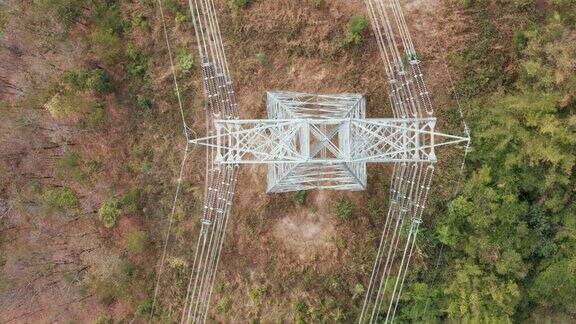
[(316, 140)]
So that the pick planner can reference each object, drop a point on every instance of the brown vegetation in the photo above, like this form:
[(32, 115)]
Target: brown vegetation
[(64, 262)]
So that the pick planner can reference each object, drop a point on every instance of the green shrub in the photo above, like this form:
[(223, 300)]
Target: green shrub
[(375, 211), (299, 197), (97, 80), (358, 291), (140, 21), (108, 16), (520, 40), (140, 157), (131, 200), (301, 311), (555, 286), (93, 166), (318, 3), (344, 209), (566, 9), (145, 308), (76, 80), (356, 27), (182, 17), (110, 25), (136, 241), (224, 305), (61, 198), (105, 290), (100, 82), (256, 293), (127, 268), (338, 283), (144, 103), (137, 62), (262, 58), (523, 4), (106, 45), (172, 6), (184, 61), (219, 287), (109, 213)]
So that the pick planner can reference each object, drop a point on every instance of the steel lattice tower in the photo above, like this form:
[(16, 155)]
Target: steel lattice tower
[(313, 141), (322, 141)]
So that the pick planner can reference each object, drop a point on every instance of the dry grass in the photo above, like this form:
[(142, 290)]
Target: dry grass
[(279, 258)]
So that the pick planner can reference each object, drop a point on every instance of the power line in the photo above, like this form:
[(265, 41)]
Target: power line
[(286, 138), (168, 231), (186, 131)]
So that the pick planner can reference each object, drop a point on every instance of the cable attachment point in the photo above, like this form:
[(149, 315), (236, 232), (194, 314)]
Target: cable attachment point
[(189, 133)]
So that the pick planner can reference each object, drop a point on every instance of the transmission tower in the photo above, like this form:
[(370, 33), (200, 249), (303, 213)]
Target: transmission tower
[(320, 141)]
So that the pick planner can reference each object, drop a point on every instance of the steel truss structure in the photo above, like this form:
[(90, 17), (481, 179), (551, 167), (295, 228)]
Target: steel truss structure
[(320, 141)]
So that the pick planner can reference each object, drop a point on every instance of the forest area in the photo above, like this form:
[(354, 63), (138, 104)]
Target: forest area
[(91, 148), (509, 236)]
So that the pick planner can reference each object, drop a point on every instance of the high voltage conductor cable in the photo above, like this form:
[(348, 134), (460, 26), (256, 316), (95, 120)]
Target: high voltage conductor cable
[(228, 82), (402, 27), (173, 69), (168, 231), (220, 232), (401, 216), (400, 174), (397, 174), (207, 263), (228, 207), (186, 131), (414, 226), (396, 80), (231, 141), (220, 181), (378, 25), (389, 32), (217, 81), (409, 190), (462, 119), (413, 60), (396, 237), (413, 233), (203, 48), (201, 238), (222, 187), (413, 105)]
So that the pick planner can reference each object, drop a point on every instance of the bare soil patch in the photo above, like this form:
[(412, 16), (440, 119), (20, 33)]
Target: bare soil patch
[(307, 234)]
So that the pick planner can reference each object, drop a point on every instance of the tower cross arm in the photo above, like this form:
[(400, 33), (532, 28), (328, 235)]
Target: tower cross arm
[(318, 140)]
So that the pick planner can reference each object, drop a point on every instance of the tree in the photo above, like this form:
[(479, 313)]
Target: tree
[(555, 286), (510, 233), (486, 230)]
